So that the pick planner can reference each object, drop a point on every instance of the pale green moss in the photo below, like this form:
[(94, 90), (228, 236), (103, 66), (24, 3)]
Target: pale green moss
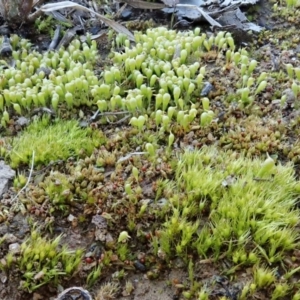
[(41, 261), (239, 205), (53, 141)]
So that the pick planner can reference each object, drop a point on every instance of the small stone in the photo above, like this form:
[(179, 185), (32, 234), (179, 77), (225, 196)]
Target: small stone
[(290, 96), (6, 174), (22, 121), (162, 202), (39, 275), (10, 238), (3, 278), (126, 13), (109, 239), (208, 87), (99, 221), (3, 262), (71, 218), (139, 266), (37, 296), (178, 263), (14, 248), (100, 235)]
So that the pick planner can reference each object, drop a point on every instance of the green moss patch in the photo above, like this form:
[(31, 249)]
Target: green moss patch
[(41, 261), (53, 141), (226, 203)]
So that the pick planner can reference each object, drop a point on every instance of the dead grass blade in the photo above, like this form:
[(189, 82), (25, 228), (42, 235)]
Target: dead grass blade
[(170, 3), (205, 15), (37, 2), (68, 4), (144, 4)]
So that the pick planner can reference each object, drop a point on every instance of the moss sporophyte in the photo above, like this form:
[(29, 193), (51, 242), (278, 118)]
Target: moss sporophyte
[(177, 176), (42, 261)]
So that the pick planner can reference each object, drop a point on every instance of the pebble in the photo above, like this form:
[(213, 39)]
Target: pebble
[(14, 248), (206, 89), (139, 266)]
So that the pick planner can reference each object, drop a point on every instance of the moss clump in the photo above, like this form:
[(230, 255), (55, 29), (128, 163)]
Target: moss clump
[(223, 205), (53, 141), (247, 216), (52, 79), (58, 189), (253, 136), (41, 261)]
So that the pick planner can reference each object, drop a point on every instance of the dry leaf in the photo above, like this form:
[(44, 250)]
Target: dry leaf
[(208, 18), (68, 4)]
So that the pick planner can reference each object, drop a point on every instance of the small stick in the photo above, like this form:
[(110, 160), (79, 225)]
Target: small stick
[(121, 120), (97, 114), (55, 39), (262, 179), (68, 37)]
